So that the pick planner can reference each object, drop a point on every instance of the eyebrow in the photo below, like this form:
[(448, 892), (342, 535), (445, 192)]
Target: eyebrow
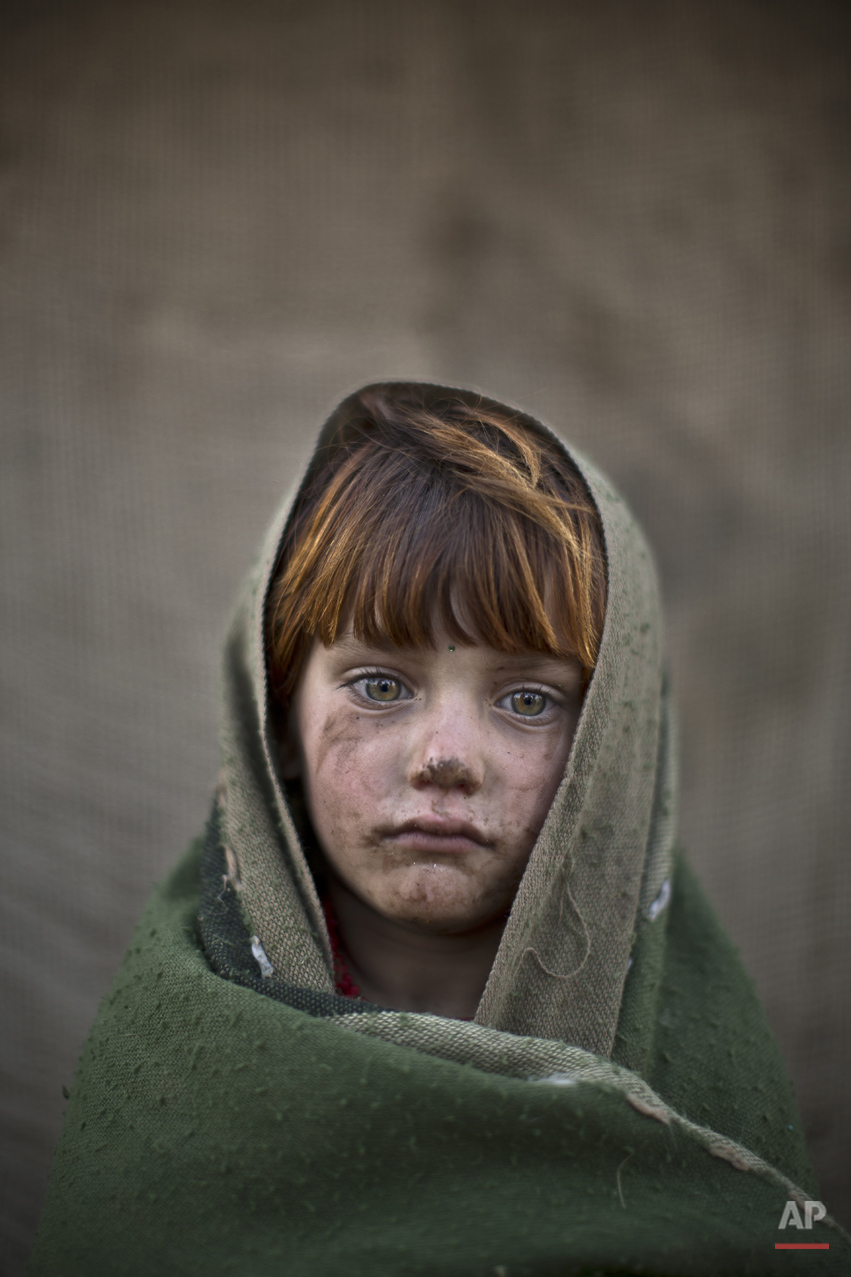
[(358, 646), (561, 673), (510, 662), (537, 659)]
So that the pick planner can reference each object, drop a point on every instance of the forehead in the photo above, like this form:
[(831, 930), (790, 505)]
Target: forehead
[(349, 649)]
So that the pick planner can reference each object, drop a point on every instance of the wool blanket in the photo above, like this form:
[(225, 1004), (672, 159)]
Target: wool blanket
[(217, 1126)]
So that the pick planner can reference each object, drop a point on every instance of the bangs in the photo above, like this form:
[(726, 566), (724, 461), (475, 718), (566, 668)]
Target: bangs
[(459, 567), (467, 529)]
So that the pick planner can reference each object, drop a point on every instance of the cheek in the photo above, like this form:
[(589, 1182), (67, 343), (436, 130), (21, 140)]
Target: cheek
[(532, 776), (348, 768)]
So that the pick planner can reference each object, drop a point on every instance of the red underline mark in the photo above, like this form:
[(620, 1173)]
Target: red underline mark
[(802, 1245)]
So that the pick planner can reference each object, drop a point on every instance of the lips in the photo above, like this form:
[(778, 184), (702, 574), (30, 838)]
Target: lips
[(432, 834)]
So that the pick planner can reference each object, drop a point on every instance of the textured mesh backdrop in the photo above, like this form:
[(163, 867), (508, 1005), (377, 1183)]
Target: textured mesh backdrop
[(218, 217)]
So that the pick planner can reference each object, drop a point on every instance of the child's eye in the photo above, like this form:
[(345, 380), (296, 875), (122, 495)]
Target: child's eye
[(528, 702), (379, 687)]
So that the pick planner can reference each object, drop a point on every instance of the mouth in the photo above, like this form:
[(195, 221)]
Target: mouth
[(433, 836)]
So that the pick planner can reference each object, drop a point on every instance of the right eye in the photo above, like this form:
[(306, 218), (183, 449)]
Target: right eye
[(379, 687), (529, 703)]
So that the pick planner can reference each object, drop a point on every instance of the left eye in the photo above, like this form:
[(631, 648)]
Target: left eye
[(529, 704), (382, 689)]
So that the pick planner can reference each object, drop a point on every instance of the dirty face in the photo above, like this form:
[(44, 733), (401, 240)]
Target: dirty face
[(428, 772)]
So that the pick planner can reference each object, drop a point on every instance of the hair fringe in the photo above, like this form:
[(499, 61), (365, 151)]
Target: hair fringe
[(421, 515)]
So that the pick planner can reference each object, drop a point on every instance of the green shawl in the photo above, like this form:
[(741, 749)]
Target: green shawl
[(617, 1106)]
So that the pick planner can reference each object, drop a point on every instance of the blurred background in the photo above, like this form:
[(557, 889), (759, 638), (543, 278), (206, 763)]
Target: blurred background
[(219, 216)]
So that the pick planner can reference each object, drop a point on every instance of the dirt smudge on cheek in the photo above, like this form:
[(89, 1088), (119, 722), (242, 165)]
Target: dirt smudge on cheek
[(346, 781), (339, 736)]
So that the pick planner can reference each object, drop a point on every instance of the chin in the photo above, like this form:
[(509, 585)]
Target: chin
[(435, 911)]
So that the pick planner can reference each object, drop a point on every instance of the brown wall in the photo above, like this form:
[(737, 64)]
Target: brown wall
[(216, 217)]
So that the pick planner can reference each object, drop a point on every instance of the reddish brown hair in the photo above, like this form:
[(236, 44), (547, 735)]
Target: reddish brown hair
[(427, 510)]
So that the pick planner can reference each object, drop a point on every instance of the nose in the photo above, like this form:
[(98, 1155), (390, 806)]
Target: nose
[(449, 754)]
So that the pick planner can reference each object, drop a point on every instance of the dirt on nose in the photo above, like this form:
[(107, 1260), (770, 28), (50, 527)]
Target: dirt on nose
[(447, 773)]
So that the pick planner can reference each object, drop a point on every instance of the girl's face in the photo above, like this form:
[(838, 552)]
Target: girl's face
[(428, 773)]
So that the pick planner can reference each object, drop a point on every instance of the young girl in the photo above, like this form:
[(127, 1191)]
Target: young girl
[(436, 994)]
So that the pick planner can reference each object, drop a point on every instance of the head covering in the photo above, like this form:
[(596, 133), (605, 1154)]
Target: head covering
[(604, 852)]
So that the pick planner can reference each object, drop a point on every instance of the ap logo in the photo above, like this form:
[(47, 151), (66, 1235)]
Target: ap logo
[(813, 1212)]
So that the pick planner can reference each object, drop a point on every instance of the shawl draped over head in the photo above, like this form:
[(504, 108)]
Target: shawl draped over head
[(617, 1105)]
